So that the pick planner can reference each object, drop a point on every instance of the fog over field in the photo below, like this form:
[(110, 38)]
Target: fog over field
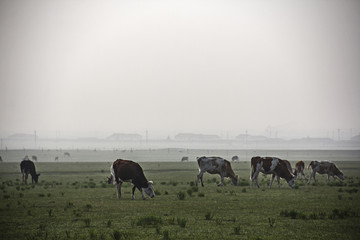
[(89, 69)]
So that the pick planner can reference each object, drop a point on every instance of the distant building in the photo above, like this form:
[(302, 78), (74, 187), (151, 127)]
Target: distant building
[(124, 137), (196, 137)]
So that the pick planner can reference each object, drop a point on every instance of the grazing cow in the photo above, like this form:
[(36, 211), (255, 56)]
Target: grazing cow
[(129, 171), (1, 159), (325, 167), (216, 165), (184, 159), (299, 169), (26, 167), (34, 158), (235, 159), (271, 165), (56, 158), (66, 154)]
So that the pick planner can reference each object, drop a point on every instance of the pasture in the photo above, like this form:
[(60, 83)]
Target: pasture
[(73, 201)]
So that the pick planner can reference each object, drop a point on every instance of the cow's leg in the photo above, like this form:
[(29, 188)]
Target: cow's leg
[(26, 177), (278, 179), (200, 176), (118, 188), (272, 179), (312, 175), (221, 180), (254, 177), (23, 177), (142, 194)]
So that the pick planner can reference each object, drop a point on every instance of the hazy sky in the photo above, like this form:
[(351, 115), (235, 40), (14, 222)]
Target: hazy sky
[(97, 67)]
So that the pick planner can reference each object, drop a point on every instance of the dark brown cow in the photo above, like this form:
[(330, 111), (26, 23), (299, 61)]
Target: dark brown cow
[(129, 171), (325, 167), (271, 165), (27, 167), (299, 169), (216, 165)]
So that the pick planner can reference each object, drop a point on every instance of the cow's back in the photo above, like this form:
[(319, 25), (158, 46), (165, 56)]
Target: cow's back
[(126, 169), (27, 166)]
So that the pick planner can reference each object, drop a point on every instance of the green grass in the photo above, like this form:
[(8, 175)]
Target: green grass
[(74, 202)]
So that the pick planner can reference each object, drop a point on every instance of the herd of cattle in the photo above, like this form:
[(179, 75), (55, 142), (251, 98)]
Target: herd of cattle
[(129, 171)]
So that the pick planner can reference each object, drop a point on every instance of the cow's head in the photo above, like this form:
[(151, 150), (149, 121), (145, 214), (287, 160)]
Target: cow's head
[(36, 177), (291, 181), (235, 180), (149, 190), (110, 179), (340, 175)]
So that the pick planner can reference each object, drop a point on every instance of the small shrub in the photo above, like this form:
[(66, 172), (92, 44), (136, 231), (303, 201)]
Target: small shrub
[(237, 230), (158, 229), (271, 222), (181, 222), (166, 235), (181, 195), (87, 222), (108, 224), (189, 192), (209, 216), (201, 195), (88, 207), (116, 235)]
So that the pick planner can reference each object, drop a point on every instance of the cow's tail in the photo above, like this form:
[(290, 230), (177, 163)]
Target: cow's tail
[(112, 174)]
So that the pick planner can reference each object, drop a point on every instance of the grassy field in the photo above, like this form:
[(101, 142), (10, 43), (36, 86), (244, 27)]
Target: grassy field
[(73, 201)]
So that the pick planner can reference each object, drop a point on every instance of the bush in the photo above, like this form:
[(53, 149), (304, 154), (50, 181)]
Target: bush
[(87, 222), (181, 195), (237, 230), (209, 216), (181, 222)]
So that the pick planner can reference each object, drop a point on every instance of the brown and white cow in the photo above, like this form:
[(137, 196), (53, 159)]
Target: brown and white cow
[(271, 165), (325, 167), (299, 169), (27, 167), (129, 171), (216, 165)]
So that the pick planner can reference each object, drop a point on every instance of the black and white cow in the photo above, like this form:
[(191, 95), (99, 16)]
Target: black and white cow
[(271, 165), (27, 167), (129, 171), (216, 165)]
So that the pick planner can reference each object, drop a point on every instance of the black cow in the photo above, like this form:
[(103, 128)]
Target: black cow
[(129, 171), (26, 167)]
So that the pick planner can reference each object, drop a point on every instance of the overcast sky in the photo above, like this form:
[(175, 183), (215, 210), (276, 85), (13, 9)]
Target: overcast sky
[(219, 67)]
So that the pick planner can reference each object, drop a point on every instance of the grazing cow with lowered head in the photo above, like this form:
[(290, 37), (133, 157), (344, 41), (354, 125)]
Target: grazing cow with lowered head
[(129, 171), (325, 167), (27, 167), (299, 169), (271, 165), (216, 165), (184, 159)]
